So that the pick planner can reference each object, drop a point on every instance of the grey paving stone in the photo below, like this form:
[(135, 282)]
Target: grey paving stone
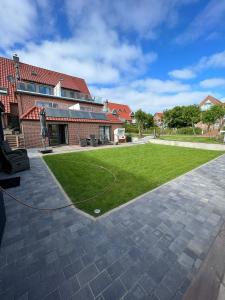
[(100, 283), (68, 288), (87, 274), (115, 270), (73, 268), (115, 291), (84, 294), (158, 270), (163, 293), (53, 296), (130, 277), (137, 293), (147, 283)]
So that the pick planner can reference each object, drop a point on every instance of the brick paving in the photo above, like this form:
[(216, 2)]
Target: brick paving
[(148, 249)]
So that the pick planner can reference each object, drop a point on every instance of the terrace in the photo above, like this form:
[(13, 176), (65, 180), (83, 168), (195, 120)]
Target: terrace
[(50, 91), (148, 249)]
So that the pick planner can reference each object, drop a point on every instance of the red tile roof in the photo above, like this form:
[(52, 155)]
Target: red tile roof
[(124, 112), (158, 114), (212, 99), (43, 76), (34, 114)]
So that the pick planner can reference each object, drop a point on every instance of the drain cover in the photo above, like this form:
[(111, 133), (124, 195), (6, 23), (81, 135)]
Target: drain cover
[(97, 211)]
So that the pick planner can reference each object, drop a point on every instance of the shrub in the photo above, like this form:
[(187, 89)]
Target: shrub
[(131, 128), (188, 131)]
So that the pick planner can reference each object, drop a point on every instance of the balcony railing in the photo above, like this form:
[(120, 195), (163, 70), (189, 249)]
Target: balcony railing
[(46, 90)]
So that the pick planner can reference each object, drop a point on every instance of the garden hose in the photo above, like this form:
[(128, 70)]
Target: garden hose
[(108, 188)]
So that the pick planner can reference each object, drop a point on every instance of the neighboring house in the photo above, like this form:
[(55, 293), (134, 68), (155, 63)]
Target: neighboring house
[(204, 105), (122, 111), (208, 102), (158, 119), (72, 112)]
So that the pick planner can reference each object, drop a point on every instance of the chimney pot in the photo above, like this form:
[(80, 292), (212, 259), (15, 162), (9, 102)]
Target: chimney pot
[(16, 58)]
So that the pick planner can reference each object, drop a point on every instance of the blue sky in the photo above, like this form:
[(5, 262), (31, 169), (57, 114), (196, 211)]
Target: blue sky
[(150, 54)]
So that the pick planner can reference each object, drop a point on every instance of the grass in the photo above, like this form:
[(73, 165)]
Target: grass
[(138, 169), (190, 138)]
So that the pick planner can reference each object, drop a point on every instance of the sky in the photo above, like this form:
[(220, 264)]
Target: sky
[(149, 54)]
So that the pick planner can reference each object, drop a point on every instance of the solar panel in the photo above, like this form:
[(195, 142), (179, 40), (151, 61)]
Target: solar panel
[(76, 114)]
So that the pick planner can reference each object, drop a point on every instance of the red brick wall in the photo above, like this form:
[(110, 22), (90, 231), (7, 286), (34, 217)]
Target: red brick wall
[(28, 101), (31, 131)]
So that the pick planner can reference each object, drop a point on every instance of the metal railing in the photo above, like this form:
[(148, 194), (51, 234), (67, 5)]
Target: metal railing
[(35, 88)]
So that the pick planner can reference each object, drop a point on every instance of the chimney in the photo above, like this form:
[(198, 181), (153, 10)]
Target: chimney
[(16, 60), (106, 106)]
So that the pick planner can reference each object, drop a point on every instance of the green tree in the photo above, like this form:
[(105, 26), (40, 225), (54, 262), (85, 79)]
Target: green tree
[(175, 117), (192, 115), (141, 119), (210, 116), (219, 112), (149, 121)]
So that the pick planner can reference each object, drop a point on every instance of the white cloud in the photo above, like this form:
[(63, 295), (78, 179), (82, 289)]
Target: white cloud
[(95, 53), (150, 101), (158, 86), (17, 21), (206, 23), (144, 18), (213, 82), (182, 74), (214, 61)]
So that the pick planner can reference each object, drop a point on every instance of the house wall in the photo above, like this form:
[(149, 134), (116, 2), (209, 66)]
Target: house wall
[(26, 102), (31, 131)]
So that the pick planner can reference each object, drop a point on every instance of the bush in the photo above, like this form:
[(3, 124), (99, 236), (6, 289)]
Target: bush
[(131, 128), (188, 131)]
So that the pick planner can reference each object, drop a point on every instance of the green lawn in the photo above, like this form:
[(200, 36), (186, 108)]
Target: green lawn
[(138, 169), (190, 138)]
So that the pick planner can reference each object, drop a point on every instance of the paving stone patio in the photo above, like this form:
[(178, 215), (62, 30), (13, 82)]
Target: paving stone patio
[(149, 249)]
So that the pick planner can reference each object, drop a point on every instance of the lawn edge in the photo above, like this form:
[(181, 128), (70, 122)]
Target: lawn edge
[(66, 195), (130, 201)]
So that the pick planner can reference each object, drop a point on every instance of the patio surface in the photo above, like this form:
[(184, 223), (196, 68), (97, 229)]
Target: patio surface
[(148, 249)]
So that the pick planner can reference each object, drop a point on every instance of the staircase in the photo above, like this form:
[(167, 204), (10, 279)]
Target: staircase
[(15, 141)]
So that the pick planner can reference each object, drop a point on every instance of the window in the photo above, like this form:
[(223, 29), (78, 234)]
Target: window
[(44, 89), (104, 133), (47, 104), (72, 94), (22, 86), (31, 87), (64, 93)]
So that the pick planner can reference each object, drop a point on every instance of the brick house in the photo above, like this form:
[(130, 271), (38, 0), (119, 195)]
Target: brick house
[(158, 119), (122, 111), (72, 113), (204, 105)]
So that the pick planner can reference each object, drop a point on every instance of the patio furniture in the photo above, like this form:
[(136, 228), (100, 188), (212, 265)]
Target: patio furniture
[(13, 160), (93, 140), (83, 142)]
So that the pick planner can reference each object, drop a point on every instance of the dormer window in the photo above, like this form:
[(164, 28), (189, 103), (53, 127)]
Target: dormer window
[(33, 73)]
